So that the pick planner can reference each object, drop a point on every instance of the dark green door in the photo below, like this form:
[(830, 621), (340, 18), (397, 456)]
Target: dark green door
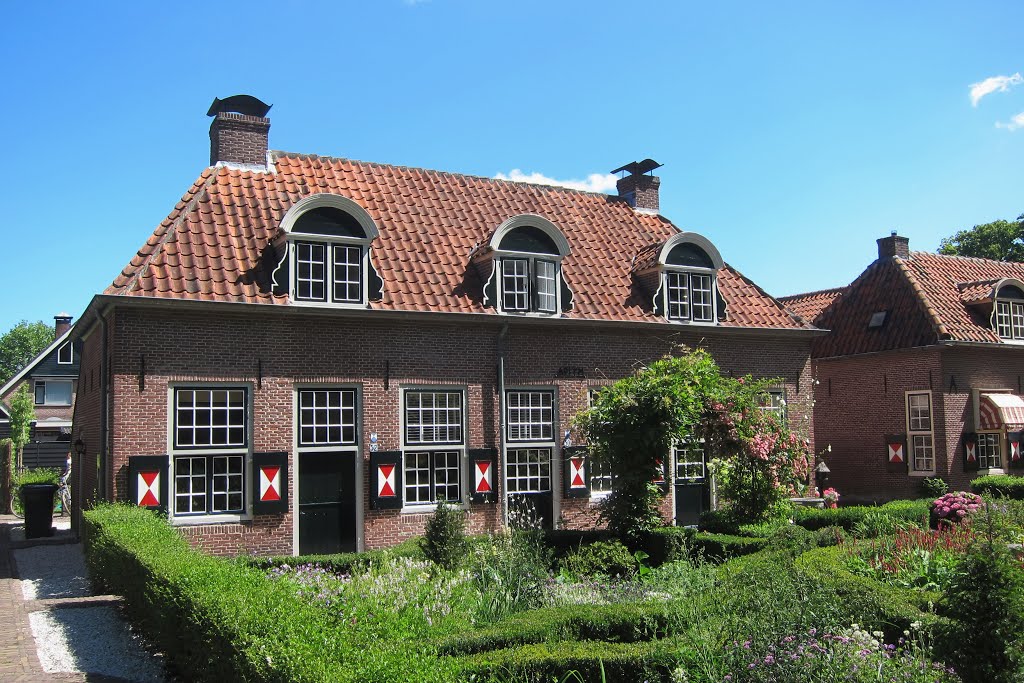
[(327, 503), (691, 485)]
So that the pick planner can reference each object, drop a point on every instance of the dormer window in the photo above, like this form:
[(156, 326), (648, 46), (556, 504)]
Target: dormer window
[(683, 273), (1009, 312), (523, 267), (326, 251)]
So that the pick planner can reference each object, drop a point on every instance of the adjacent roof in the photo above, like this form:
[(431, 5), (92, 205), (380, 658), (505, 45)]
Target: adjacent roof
[(811, 305), (13, 382), (927, 298), (212, 246)]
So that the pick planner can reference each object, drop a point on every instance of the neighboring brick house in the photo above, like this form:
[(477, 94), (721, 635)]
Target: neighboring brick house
[(920, 374), (367, 339), (52, 379)]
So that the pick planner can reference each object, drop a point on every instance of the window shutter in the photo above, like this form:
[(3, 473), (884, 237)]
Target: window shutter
[(1015, 440), (896, 453), (386, 480), (483, 463), (662, 477), (970, 452), (576, 472), (270, 483), (568, 303), (147, 481)]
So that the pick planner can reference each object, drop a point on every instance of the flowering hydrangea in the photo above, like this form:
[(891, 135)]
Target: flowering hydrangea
[(955, 506), (831, 497)]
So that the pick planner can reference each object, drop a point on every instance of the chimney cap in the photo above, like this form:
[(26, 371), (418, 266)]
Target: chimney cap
[(639, 167), (239, 104), (62, 315)]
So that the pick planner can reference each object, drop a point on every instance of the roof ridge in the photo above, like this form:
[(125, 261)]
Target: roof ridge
[(300, 155), (829, 290), (961, 257), (795, 318), (171, 229), (923, 300)]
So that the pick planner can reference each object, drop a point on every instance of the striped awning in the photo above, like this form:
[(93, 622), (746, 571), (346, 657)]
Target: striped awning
[(1001, 410)]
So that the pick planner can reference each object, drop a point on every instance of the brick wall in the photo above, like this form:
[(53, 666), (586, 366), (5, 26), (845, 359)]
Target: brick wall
[(645, 189), (272, 352), (239, 139), (86, 426)]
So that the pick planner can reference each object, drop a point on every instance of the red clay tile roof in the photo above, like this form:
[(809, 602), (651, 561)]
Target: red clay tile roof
[(812, 304), (211, 246), (928, 297)]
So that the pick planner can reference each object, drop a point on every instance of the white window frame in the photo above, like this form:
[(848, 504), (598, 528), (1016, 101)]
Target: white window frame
[(210, 453), (776, 403), (533, 444), (51, 381), (531, 277), (434, 449), (600, 481), (1009, 319), (989, 441), (327, 444), (668, 288), (330, 245), (918, 435), (71, 355), (686, 447)]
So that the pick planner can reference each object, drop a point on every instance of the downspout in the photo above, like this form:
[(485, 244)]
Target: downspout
[(500, 349), (101, 456)]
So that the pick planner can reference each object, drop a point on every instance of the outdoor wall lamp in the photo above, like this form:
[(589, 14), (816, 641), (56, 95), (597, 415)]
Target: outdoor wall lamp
[(79, 447)]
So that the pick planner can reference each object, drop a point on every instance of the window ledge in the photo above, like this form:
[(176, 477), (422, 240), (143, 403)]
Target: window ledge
[(921, 473), (325, 304), (205, 520), (991, 471), (429, 508)]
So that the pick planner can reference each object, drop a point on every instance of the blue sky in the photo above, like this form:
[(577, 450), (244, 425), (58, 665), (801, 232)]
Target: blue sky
[(793, 133)]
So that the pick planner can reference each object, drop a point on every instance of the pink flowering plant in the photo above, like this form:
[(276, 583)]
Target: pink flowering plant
[(831, 497), (956, 507)]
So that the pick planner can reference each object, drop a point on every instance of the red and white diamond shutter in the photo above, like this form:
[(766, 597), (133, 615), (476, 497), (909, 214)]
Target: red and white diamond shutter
[(270, 478), (147, 481), (483, 464), (896, 453), (386, 480), (1014, 441), (970, 452), (577, 484)]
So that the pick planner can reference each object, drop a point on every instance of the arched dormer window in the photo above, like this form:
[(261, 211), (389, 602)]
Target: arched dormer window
[(327, 255), (1008, 312), (526, 255), (683, 273)]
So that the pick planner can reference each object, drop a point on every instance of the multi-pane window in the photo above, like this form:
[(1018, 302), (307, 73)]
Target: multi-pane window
[(433, 418), (53, 392), (1010, 319), (919, 431), (529, 285), (209, 420), (328, 272), (689, 458), (600, 477), (774, 401), (530, 415), (528, 470), (690, 296), (327, 417), (989, 456)]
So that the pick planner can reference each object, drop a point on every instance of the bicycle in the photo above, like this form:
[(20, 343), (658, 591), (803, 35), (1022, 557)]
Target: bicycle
[(61, 498)]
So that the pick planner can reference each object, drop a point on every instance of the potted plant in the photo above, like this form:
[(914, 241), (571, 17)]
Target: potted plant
[(36, 489), (831, 497)]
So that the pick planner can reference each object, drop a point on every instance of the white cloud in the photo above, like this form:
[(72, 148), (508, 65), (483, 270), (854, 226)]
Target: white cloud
[(595, 182), (1015, 123), (993, 84)]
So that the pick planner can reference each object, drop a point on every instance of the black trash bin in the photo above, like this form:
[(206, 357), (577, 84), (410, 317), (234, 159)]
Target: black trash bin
[(37, 500)]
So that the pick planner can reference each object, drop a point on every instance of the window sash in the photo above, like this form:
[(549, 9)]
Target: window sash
[(53, 392), (690, 462), (700, 295), (327, 417), (678, 296), (989, 450), (547, 281), (1017, 320), (528, 470), (433, 476), (920, 412), (310, 271), (923, 450), (210, 418), (920, 439), (600, 476), (530, 415), (433, 417), (515, 284), (209, 484), (348, 274)]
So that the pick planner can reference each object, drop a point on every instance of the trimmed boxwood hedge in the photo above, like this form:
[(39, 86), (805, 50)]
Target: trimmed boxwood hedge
[(217, 620), (999, 485), (720, 547), (915, 511), (339, 563)]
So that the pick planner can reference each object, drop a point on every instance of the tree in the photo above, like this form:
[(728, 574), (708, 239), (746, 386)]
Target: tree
[(999, 240), (20, 344), (634, 423), (22, 412)]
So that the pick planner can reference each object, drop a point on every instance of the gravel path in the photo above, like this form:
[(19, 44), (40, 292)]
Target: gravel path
[(52, 571)]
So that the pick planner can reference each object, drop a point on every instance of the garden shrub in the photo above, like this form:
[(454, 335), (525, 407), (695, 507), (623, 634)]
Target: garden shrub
[(915, 511), (562, 541), (720, 547), (217, 620), (666, 544), (876, 523), (719, 522), (792, 538), (336, 563), (999, 485), (829, 536), (584, 661), (955, 507), (444, 539), (933, 487), (603, 558), (41, 475), (510, 571)]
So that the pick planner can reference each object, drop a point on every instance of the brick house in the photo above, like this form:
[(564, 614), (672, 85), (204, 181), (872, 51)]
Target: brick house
[(52, 379), (309, 352), (920, 373)]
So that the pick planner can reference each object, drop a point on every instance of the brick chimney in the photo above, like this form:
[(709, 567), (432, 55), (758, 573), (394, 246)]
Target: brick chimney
[(638, 187), (893, 245), (240, 131), (61, 324)]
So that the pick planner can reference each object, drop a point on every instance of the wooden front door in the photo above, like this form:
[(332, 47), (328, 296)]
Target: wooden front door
[(327, 503)]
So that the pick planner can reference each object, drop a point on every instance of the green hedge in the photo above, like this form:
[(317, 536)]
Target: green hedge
[(627, 623), (1000, 485), (590, 660), (339, 563), (217, 620), (720, 547), (915, 511)]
